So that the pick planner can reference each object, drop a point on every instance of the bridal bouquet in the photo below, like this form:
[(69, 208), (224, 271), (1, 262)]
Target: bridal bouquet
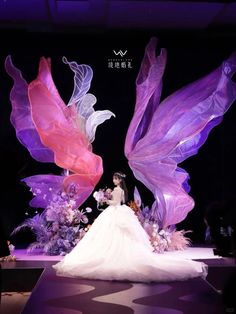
[(102, 195)]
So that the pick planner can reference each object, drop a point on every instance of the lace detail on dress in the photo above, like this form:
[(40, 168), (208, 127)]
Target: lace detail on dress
[(117, 196)]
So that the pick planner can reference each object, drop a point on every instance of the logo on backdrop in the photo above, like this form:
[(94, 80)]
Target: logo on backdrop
[(120, 52), (119, 62)]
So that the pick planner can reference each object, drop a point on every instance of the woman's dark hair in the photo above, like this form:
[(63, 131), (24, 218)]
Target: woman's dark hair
[(120, 175)]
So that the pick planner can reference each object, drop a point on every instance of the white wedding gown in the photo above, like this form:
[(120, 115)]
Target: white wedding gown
[(116, 247)]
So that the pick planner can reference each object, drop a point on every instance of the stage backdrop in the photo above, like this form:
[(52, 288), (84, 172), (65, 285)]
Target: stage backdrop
[(190, 56)]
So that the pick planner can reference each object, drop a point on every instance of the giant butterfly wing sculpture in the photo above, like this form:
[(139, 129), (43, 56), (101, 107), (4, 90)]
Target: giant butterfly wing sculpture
[(55, 132), (163, 134)]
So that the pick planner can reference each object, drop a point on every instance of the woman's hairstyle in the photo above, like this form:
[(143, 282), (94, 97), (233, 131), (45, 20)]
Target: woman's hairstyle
[(122, 176)]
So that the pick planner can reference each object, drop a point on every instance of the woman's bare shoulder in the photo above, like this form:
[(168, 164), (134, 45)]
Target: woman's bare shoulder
[(118, 188)]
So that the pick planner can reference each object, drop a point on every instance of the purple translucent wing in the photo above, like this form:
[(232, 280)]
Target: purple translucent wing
[(21, 116), (45, 189), (137, 197), (148, 90), (161, 135)]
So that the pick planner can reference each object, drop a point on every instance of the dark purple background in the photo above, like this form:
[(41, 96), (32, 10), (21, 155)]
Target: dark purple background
[(197, 41)]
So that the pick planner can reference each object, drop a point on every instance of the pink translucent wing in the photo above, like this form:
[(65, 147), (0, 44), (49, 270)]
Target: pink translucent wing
[(53, 121), (21, 116), (176, 130)]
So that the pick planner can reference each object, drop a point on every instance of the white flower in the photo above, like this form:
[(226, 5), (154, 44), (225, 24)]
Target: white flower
[(72, 202), (162, 232)]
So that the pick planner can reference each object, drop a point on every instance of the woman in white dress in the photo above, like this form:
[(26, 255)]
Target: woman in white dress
[(116, 247)]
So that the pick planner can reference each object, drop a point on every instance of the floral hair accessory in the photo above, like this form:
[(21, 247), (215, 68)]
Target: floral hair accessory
[(119, 174)]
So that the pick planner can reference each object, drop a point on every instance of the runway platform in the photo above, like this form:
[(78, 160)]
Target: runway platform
[(32, 277)]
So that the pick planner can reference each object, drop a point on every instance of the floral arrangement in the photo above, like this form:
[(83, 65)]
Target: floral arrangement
[(168, 239), (102, 196), (160, 240), (59, 227), (133, 205)]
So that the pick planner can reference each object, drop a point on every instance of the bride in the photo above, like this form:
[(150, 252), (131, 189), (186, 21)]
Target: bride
[(116, 247)]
